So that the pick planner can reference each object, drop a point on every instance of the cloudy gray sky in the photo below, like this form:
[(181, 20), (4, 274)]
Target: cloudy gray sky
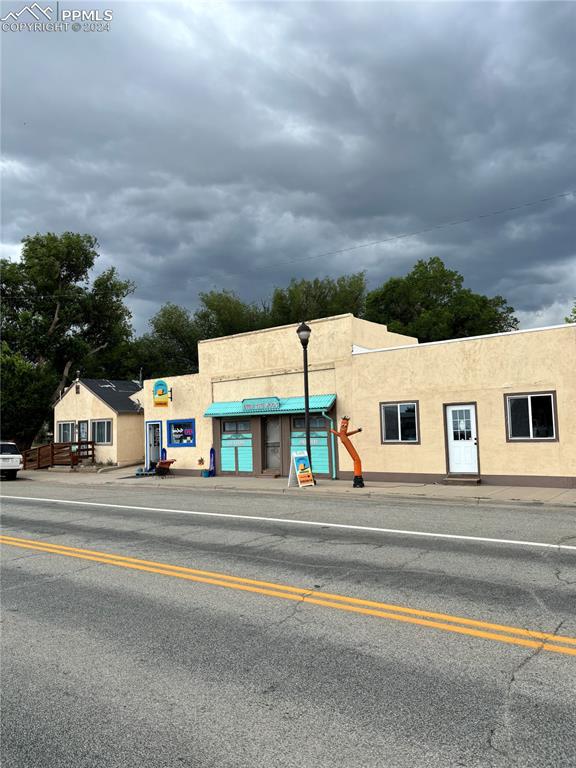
[(216, 145)]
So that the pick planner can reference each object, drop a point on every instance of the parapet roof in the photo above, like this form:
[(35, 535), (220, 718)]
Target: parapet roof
[(360, 351)]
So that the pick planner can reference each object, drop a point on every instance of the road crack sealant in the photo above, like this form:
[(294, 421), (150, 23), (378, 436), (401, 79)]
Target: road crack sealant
[(507, 750), (547, 554), (561, 580), (44, 579), (558, 571), (292, 613)]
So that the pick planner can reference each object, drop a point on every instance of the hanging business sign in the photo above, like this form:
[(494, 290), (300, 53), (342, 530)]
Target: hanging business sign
[(260, 404), (160, 394), (300, 470)]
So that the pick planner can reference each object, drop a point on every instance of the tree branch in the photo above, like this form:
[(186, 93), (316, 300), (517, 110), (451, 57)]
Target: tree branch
[(62, 379), (54, 322), (97, 349)]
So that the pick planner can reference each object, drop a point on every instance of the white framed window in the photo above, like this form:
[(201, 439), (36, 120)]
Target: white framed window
[(66, 431), (399, 422), (531, 416), (102, 431)]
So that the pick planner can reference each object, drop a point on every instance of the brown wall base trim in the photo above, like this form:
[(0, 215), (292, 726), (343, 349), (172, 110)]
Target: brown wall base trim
[(395, 477), (544, 481), (187, 472)]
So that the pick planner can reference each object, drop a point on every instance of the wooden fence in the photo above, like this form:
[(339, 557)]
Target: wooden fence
[(59, 454)]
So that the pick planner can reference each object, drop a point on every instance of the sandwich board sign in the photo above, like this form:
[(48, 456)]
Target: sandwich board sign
[(300, 470)]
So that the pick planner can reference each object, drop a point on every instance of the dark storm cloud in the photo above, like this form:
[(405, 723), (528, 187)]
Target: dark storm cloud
[(226, 146)]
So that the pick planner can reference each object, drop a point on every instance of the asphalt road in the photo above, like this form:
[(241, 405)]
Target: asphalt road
[(110, 662)]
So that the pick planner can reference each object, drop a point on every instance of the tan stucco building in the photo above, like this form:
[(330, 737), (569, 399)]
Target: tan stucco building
[(497, 409), (107, 412)]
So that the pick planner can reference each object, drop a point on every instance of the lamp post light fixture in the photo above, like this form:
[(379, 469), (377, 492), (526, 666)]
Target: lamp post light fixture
[(304, 332)]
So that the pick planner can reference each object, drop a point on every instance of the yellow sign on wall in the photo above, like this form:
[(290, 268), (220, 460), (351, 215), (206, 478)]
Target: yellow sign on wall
[(160, 394)]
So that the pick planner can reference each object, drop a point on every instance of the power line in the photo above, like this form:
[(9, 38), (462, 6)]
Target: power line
[(392, 238), (431, 228)]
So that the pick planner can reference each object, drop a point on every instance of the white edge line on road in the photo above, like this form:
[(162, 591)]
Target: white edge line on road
[(312, 523)]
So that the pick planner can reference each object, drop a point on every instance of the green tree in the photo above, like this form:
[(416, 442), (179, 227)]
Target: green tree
[(571, 318), (222, 313), (171, 346), (55, 319), (310, 299), (431, 304), (25, 386)]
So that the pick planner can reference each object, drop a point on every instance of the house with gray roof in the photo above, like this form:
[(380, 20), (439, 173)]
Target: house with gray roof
[(107, 411)]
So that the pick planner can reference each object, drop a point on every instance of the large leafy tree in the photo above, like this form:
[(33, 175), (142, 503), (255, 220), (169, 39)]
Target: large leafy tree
[(571, 318), (25, 387), (171, 346), (431, 303), (56, 319), (222, 313), (309, 299)]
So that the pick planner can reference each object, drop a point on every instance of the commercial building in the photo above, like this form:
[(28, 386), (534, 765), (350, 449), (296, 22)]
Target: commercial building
[(107, 412), (496, 409)]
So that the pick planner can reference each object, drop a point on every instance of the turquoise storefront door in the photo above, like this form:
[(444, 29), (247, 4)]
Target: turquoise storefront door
[(236, 447), (318, 446)]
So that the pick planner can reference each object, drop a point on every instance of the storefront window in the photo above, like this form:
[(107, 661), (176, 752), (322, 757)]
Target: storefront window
[(316, 422), (182, 433), (236, 426)]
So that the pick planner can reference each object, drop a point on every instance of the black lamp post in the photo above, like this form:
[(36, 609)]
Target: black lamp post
[(304, 332)]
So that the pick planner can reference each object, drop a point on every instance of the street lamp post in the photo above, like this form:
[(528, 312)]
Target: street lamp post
[(304, 332)]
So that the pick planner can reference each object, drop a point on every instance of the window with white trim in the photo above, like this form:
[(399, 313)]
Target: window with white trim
[(66, 431), (102, 431), (531, 417), (399, 422)]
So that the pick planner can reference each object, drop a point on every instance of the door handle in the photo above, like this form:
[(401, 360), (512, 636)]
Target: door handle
[(475, 441)]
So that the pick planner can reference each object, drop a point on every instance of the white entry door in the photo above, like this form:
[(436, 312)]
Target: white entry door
[(153, 443), (462, 439)]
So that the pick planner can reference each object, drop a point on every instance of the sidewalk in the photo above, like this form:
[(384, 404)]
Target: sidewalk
[(493, 494)]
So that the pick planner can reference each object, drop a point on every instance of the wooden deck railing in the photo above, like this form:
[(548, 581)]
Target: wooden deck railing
[(59, 454)]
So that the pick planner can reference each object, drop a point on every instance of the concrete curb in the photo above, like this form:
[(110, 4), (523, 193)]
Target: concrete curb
[(114, 468), (356, 494), (421, 493)]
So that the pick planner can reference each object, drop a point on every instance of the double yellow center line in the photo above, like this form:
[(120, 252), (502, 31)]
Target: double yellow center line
[(463, 626)]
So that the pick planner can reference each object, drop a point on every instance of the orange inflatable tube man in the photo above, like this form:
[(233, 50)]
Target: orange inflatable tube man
[(344, 436)]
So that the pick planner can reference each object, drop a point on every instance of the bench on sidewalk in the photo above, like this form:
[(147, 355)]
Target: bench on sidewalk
[(163, 467)]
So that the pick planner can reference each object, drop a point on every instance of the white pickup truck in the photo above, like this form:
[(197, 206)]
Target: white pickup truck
[(11, 460)]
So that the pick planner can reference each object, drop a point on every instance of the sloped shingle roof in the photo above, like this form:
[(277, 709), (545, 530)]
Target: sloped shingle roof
[(115, 393)]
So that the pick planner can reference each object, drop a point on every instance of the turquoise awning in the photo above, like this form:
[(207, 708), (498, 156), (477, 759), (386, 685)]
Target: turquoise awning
[(261, 406)]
